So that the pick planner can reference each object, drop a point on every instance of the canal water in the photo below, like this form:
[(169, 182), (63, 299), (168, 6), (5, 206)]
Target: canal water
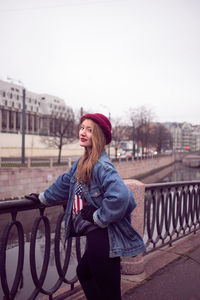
[(182, 173), (177, 172)]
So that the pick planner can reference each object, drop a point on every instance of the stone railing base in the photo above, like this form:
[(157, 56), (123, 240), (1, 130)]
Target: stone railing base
[(132, 265)]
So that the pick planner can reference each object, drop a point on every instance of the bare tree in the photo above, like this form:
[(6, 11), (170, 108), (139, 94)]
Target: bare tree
[(118, 133), (162, 138), (61, 131), (142, 124)]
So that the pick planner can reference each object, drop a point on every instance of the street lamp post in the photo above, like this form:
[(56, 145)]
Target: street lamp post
[(23, 125)]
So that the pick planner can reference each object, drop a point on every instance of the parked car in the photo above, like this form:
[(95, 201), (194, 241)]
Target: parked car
[(126, 154)]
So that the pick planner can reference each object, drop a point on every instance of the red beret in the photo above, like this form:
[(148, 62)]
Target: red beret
[(103, 122)]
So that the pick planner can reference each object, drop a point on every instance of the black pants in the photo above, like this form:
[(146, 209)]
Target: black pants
[(98, 274)]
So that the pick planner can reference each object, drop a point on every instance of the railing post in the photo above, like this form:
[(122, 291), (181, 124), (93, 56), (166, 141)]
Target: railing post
[(69, 162), (29, 162), (135, 265), (51, 162)]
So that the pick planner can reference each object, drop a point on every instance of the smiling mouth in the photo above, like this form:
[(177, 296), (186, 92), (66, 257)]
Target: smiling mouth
[(83, 140)]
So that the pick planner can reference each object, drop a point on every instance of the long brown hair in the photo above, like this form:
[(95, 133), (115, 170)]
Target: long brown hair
[(87, 161)]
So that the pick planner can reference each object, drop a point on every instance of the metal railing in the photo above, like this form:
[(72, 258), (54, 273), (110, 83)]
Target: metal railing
[(41, 226), (35, 162), (172, 211), (53, 161)]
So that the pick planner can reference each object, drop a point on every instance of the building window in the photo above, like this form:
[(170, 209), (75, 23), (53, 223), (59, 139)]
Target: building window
[(11, 119), (35, 123), (4, 94), (17, 120), (4, 119), (29, 123)]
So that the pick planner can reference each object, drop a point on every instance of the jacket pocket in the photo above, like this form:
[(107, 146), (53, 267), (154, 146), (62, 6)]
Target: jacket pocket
[(126, 230), (96, 196)]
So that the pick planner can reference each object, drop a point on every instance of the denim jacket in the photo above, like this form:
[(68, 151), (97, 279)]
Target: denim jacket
[(113, 200)]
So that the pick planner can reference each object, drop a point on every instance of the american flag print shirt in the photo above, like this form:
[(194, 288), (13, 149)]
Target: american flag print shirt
[(78, 199)]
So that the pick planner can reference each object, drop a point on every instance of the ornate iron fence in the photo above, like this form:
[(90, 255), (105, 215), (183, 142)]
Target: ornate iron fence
[(41, 230), (172, 210)]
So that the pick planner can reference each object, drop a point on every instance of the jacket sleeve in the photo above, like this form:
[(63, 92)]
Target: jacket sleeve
[(58, 190), (117, 200)]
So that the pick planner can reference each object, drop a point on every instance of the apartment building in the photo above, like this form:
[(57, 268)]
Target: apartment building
[(40, 109), (185, 136)]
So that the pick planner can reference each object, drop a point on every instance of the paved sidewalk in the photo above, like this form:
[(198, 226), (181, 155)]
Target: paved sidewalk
[(178, 280)]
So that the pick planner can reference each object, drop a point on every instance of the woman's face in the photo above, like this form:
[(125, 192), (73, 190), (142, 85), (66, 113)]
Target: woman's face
[(85, 133)]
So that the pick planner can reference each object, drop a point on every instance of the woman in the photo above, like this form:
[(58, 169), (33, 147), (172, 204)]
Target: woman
[(99, 206)]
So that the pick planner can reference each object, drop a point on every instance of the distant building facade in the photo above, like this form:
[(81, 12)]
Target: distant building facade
[(185, 136), (40, 110)]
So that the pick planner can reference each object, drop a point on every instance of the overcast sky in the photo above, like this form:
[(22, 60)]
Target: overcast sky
[(107, 55)]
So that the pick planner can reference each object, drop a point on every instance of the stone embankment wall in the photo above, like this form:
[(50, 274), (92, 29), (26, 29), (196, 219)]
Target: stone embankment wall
[(135, 169), (16, 182), (192, 161)]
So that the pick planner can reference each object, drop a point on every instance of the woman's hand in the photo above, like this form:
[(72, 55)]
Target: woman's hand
[(34, 197), (87, 212)]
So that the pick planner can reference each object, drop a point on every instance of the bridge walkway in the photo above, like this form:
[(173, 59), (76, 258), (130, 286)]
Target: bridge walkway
[(172, 274)]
